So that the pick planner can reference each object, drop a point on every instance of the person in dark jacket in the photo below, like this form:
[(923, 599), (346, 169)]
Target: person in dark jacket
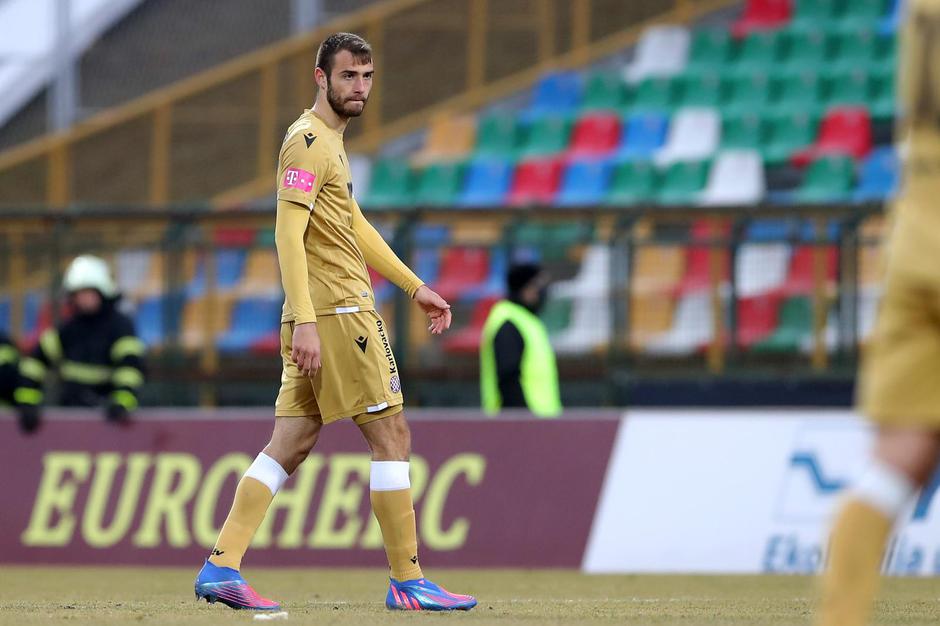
[(96, 353), (9, 368)]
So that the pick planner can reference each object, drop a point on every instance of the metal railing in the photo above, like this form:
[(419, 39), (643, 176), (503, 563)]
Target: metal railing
[(215, 136)]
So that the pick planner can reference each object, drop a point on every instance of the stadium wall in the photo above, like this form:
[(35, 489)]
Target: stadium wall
[(743, 491)]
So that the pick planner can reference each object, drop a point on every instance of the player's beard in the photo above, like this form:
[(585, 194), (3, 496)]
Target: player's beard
[(339, 105)]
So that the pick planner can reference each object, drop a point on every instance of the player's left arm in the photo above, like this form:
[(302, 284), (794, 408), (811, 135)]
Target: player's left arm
[(383, 259)]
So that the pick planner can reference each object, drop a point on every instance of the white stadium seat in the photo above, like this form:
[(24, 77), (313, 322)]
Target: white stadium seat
[(693, 135), (737, 177), (662, 51)]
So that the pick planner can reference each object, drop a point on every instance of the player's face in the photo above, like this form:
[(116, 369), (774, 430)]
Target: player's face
[(349, 85)]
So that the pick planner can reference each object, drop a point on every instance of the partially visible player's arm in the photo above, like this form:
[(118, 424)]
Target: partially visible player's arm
[(289, 229), (381, 257)]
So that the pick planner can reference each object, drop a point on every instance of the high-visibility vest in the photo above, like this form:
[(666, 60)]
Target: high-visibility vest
[(538, 371)]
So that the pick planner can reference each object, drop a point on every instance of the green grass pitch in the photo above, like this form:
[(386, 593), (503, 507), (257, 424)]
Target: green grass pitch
[(117, 595)]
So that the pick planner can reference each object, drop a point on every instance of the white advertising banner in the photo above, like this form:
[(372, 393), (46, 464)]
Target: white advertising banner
[(739, 492)]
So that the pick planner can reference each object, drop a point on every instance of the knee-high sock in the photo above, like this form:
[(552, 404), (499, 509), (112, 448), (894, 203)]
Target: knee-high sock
[(393, 507), (857, 544), (253, 495)]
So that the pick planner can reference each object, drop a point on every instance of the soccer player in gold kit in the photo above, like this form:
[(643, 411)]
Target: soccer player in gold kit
[(337, 361), (899, 389)]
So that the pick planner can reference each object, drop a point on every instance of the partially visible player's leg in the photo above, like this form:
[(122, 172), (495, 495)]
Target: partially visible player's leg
[(389, 438), (904, 459)]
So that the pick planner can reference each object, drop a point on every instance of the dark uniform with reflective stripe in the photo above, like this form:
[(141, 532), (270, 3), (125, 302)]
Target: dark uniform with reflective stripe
[(98, 357), (9, 366)]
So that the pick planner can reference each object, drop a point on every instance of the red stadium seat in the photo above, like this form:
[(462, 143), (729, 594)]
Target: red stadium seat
[(234, 237), (268, 344), (757, 318), (597, 134), (462, 269), (535, 182), (800, 279), (844, 131), (762, 15), (467, 339), (698, 265)]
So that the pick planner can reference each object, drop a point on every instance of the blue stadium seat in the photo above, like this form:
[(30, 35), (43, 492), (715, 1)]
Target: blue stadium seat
[(427, 264), (584, 183), (559, 92), (431, 235), (495, 284), (878, 176), (645, 133), (487, 182), (252, 318), (892, 20), (229, 266), (769, 230), (830, 233), (149, 322), (32, 306), (5, 315)]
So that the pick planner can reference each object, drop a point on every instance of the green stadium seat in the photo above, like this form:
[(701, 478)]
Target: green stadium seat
[(807, 48), (788, 134), (883, 102), (799, 91), (605, 91), (497, 135), (745, 131), (556, 315), (710, 49), (815, 12), (634, 182), (392, 184), (655, 94), (848, 89), (863, 12), (857, 48), (553, 240), (704, 88), (682, 182), (265, 238), (795, 325), (749, 92), (440, 184), (545, 136), (827, 179), (761, 50), (887, 54)]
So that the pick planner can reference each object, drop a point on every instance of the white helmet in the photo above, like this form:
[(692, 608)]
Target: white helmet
[(89, 272)]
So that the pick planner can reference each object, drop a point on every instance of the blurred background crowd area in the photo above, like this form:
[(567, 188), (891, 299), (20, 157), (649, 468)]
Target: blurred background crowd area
[(705, 180)]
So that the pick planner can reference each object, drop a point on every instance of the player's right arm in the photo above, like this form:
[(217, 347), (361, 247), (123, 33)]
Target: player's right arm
[(303, 173)]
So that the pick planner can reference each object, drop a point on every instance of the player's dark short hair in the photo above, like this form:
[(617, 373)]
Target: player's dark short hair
[(520, 275), (354, 44)]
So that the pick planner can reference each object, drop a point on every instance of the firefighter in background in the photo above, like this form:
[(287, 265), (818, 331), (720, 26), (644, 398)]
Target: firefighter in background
[(98, 357), (9, 369)]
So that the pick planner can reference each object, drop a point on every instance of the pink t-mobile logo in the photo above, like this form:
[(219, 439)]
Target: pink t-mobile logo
[(299, 179)]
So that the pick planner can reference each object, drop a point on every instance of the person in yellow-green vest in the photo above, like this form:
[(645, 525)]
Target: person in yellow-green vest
[(96, 353), (517, 363)]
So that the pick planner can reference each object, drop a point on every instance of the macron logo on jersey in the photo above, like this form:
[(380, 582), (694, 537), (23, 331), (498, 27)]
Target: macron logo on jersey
[(296, 178)]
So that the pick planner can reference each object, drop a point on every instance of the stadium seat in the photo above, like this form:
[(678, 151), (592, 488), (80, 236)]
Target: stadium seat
[(593, 277), (815, 12), (807, 47), (744, 131), (799, 90), (801, 275), (360, 168), (558, 93), (891, 22), (760, 51), (260, 277), (863, 13), (486, 182), (605, 91), (655, 95), (149, 320), (595, 135), (711, 48), (703, 88), (644, 135), (794, 327), (585, 183), (535, 182), (265, 238), (431, 235), (751, 91), (497, 136), (439, 184), (883, 101), (556, 315), (650, 316), (461, 269), (466, 340), (879, 176), (229, 265), (757, 319), (251, 320), (789, 133), (770, 230), (762, 15), (589, 291), (133, 267), (658, 269), (551, 240), (682, 182), (633, 182), (663, 51), (449, 137), (196, 321), (844, 131), (760, 268), (849, 89), (494, 286), (546, 136), (693, 135), (856, 48), (828, 179), (736, 177), (392, 184), (233, 237), (427, 264), (691, 329)]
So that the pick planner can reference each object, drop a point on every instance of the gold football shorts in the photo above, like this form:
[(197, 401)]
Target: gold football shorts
[(359, 376), (899, 384)]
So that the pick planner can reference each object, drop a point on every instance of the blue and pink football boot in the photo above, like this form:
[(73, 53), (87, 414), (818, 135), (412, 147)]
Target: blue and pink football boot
[(226, 585), (423, 595)]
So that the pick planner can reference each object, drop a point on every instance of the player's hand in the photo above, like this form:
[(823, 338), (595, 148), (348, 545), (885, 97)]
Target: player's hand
[(437, 309), (305, 348)]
